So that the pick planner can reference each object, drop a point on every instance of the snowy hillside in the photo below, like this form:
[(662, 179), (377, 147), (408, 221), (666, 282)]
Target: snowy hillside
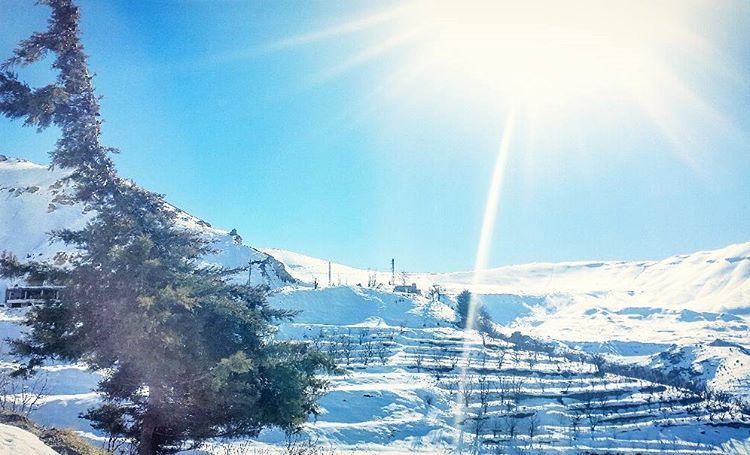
[(34, 201), (15, 440), (708, 281), (414, 383), (404, 391), (628, 311)]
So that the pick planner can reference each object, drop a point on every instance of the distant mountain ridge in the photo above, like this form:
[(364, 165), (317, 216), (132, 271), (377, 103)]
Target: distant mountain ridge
[(716, 280)]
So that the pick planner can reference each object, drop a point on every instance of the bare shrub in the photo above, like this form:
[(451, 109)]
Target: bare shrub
[(21, 395), (533, 428), (419, 361), (485, 387), (467, 390), (382, 350)]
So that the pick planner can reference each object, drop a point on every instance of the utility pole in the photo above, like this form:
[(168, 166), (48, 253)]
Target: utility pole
[(329, 274), (250, 270), (393, 272)]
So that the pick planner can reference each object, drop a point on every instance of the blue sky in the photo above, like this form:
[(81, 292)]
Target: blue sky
[(294, 155)]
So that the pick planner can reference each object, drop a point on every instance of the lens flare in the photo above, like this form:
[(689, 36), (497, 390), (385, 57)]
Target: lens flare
[(491, 210)]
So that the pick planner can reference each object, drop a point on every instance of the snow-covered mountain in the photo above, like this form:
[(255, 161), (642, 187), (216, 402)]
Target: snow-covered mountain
[(35, 201), (682, 299), (685, 315), (709, 281), (698, 304)]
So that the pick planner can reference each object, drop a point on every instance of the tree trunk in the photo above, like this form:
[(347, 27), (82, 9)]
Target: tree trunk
[(146, 439), (146, 444)]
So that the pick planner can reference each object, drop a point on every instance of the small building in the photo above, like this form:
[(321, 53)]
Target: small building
[(407, 289), (19, 296)]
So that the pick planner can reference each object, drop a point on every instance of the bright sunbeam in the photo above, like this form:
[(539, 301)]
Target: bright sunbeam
[(491, 210)]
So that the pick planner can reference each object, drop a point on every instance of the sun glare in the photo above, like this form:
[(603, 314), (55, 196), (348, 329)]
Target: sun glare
[(542, 56), (538, 50)]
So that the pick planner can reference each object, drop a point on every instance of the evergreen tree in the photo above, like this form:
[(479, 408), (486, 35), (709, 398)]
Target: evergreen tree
[(188, 355), (463, 301), (482, 321)]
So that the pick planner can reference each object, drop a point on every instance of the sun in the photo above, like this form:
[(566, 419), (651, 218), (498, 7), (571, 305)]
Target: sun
[(547, 51), (546, 57), (532, 50)]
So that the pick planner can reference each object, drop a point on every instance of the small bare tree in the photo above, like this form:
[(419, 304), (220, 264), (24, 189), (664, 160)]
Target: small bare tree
[(514, 392), (434, 293), (21, 395), (467, 390), (346, 345), (453, 359), (419, 361), (316, 341), (382, 350), (533, 428), (533, 359), (483, 359), (484, 388), (372, 279), (451, 386), (332, 346), (575, 422), (502, 389), (362, 337), (516, 355), (511, 423), (368, 352), (478, 423), (436, 368), (592, 417), (296, 446), (501, 357), (225, 447), (594, 420)]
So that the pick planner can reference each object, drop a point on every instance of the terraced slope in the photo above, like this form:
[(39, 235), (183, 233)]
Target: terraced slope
[(413, 383), (689, 312), (413, 389)]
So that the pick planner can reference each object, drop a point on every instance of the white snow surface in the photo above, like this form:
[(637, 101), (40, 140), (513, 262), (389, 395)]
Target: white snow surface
[(15, 441), (707, 281), (686, 314), (629, 311)]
